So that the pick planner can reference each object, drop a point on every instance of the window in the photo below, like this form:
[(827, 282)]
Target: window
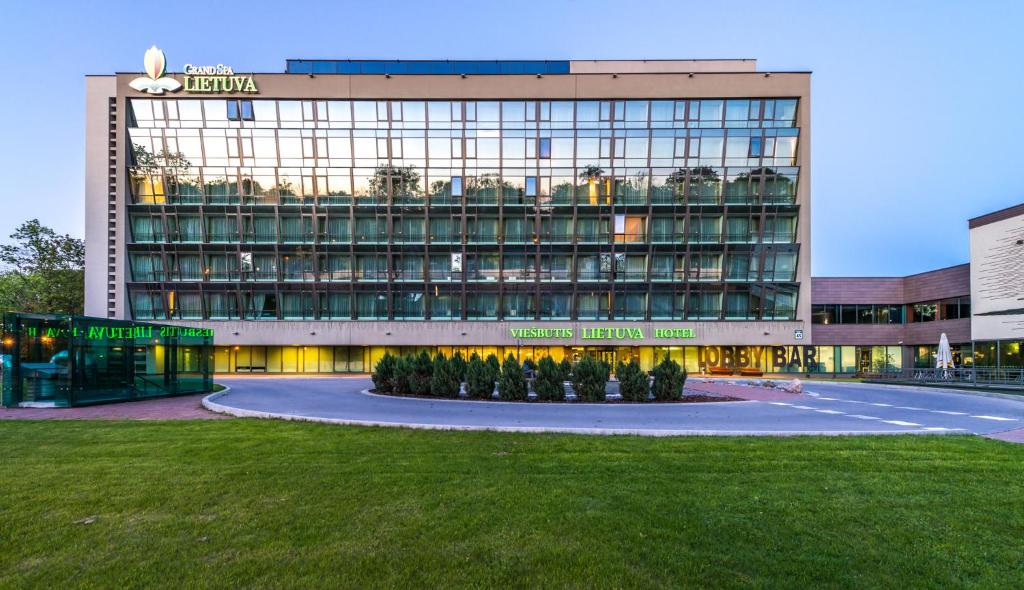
[(456, 186), (240, 110), (823, 314), (544, 151), (923, 312), (531, 186), (956, 308)]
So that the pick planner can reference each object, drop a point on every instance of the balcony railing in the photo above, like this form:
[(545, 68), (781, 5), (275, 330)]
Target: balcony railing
[(704, 237), (973, 376), (668, 275)]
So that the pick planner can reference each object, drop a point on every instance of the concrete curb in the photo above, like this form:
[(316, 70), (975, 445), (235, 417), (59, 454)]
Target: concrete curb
[(210, 404)]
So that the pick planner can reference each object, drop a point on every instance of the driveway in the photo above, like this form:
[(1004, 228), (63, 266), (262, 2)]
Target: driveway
[(825, 408)]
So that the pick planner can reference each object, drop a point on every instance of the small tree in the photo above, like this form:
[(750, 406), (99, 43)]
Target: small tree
[(528, 365), (669, 380), (632, 382), (479, 384), (548, 383), (459, 367), (443, 382), (564, 369), (494, 365), (589, 380), (402, 384), (606, 369), (384, 373), (512, 385), (422, 371)]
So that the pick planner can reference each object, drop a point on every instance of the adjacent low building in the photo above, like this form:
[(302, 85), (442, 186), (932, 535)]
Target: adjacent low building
[(873, 324)]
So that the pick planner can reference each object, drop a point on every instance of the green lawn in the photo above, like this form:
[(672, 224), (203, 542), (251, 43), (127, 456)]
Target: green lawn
[(246, 503)]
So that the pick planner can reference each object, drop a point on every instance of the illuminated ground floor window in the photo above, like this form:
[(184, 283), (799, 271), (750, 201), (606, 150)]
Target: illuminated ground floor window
[(696, 359)]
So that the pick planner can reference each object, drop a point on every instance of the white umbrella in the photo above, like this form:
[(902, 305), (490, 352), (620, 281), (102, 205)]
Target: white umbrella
[(944, 356)]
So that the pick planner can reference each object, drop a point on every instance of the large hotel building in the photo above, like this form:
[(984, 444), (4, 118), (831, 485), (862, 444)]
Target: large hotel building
[(625, 209)]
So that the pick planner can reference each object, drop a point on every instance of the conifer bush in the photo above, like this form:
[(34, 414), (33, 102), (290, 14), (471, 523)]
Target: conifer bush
[(479, 384), (402, 376), (564, 369), (669, 380), (589, 379), (443, 382), (512, 384), (632, 382), (458, 367), (384, 374), (422, 371), (548, 383)]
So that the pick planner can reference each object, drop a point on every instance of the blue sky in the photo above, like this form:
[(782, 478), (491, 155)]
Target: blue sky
[(917, 106)]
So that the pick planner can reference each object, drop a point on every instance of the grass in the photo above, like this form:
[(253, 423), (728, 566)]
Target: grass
[(247, 503)]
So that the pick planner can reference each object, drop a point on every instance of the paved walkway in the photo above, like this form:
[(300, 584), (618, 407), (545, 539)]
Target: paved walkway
[(825, 408), (188, 407), (1014, 436)]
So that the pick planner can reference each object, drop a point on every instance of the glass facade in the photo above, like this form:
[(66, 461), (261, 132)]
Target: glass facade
[(463, 210), (71, 361)]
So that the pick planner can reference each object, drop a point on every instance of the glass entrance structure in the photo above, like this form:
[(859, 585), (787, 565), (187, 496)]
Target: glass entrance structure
[(72, 361)]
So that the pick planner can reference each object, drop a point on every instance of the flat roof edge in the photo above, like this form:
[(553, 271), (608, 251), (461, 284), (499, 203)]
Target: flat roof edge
[(1000, 215), (895, 278)]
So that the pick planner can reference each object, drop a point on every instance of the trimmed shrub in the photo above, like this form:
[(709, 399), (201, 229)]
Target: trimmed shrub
[(384, 373), (494, 365), (512, 384), (669, 380), (443, 382), (589, 379), (632, 382), (479, 384), (606, 368), (422, 371), (403, 376), (458, 367), (564, 369), (548, 384), (528, 365)]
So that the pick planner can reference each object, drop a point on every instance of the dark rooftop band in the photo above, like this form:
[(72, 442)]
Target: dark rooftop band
[(439, 67)]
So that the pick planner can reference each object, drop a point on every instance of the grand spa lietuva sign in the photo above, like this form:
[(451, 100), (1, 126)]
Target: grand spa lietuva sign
[(198, 79), (592, 333)]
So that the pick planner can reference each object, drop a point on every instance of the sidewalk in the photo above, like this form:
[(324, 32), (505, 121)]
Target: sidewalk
[(186, 407), (747, 392)]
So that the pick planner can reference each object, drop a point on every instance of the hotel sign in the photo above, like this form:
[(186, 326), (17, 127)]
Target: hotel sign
[(594, 333), (198, 79), (216, 79), (118, 332)]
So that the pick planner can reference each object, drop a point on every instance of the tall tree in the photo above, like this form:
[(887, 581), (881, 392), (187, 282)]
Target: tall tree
[(42, 271)]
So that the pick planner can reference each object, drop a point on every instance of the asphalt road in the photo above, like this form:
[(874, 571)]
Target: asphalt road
[(826, 408)]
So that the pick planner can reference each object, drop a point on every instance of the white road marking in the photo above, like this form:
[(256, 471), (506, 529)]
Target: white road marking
[(881, 405), (831, 399), (900, 423), (948, 412), (939, 429), (804, 407), (830, 411), (780, 404), (1000, 418), (863, 417), (909, 408), (852, 401)]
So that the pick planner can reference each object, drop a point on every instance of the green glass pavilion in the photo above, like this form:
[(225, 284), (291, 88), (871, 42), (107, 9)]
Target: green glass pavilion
[(55, 360)]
